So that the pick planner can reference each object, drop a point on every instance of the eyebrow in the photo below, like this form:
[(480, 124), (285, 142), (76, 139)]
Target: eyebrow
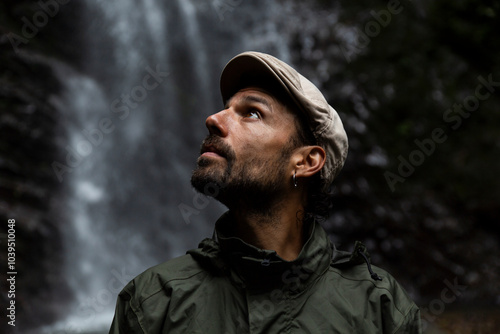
[(253, 99)]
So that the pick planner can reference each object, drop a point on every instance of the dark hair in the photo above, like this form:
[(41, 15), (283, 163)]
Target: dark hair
[(319, 197)]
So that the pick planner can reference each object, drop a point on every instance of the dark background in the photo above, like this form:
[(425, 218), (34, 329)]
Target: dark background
[(420, 187)]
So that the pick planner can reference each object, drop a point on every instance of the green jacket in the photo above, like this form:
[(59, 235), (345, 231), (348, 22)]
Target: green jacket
[(228, 286)]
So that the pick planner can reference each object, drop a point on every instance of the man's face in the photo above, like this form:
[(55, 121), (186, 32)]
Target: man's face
[(246, 155)]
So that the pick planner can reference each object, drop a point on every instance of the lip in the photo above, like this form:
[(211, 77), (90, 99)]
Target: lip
[(211, 154), (211, 151)]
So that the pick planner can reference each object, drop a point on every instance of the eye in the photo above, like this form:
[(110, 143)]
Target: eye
[(253, 114)]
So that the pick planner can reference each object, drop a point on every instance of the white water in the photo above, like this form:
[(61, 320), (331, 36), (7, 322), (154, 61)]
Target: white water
[(122, 198)]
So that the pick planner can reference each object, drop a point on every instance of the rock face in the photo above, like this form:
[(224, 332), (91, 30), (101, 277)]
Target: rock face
[(30, 129), (27, 134), (27, 127)]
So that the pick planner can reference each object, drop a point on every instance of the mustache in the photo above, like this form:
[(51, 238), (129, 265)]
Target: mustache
[(214, 142)]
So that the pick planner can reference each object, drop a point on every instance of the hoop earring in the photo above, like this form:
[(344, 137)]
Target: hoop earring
[(294, 179)]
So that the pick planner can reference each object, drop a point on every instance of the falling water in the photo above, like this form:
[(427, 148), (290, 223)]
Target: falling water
[(134, 118)]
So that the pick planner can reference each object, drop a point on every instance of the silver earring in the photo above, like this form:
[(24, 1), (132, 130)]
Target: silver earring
[(294, 178)]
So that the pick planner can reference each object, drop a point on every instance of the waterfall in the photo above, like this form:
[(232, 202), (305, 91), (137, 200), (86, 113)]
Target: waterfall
[(134, 119)]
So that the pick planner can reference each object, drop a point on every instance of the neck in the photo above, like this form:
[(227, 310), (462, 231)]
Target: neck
[(279, 228)]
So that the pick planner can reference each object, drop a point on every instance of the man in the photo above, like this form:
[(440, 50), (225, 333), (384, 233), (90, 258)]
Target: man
[(270, 157)]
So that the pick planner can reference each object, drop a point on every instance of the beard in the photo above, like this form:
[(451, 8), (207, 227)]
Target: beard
[(256, 184)]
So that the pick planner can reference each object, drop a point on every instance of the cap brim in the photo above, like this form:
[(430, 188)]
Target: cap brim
[(247, 69)]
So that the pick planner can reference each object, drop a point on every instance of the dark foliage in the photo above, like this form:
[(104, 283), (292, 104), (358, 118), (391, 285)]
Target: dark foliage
[(436, 216)]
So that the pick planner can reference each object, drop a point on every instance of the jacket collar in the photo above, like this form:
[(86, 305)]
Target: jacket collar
[(259, 268)]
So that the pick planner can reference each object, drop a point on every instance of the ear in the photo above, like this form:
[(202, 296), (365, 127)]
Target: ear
[(308, 160)]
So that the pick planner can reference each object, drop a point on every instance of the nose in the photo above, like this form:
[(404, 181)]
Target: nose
[(217, 123)]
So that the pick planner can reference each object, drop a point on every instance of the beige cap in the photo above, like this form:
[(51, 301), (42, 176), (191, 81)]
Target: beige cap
[(324, 121)]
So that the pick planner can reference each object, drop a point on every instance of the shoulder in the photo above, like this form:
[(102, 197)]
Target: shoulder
[(358, 275), (385, 297), (355, 270), (146, 299), (157, 279)]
